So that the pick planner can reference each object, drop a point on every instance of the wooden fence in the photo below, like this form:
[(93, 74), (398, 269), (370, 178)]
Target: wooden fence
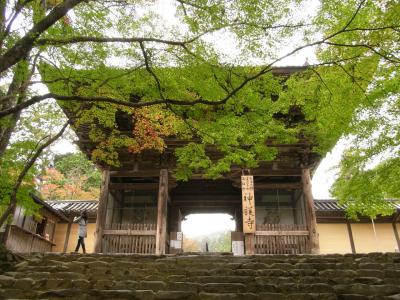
[(21, 240), (282, 239), (129, 238)]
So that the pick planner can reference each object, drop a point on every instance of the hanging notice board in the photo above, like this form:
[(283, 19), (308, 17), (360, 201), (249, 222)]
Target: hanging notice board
[(248, 207)]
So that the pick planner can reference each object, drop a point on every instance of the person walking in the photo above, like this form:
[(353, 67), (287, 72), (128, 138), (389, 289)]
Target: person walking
[(82, 233)]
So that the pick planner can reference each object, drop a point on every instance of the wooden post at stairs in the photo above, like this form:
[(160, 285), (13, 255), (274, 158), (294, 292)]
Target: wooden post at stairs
[(70, 219), (249, 243), (161, 233), (102, 210), (311, 219)]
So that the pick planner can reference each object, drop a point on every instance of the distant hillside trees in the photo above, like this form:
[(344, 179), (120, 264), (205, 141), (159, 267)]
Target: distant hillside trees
[(73, 176), (217, 242)]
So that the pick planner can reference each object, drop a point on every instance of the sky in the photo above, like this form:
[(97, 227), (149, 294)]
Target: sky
[(201, 224)]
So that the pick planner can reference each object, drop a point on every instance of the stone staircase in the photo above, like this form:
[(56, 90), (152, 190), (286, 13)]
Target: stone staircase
[(196, 276)]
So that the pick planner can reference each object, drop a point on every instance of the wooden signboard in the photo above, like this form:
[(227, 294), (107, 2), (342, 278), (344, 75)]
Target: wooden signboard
[(248, 207)]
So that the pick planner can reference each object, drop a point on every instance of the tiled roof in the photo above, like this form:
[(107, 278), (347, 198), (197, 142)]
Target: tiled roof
[(327, 205), (332, 205), (47, 205), (75, 207)]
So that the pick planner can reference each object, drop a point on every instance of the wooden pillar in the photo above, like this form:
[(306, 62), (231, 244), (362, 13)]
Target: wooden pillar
[(353, 248), (249, 244), (311, 219), (68, 233), (102, 210), (161, 233), (175, 217), (396, 235)]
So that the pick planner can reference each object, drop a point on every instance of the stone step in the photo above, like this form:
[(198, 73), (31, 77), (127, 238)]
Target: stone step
[(66, 276)]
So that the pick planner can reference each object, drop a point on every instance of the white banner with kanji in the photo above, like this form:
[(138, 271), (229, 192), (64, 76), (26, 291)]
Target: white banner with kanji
[(248, 207)]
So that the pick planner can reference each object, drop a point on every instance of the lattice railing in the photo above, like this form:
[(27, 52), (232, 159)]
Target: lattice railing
[(281, 239), (129, 238), (21, 240)]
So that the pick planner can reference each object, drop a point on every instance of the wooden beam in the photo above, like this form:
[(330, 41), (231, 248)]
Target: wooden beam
[(267, 171), (350, 232), (102, 210), (67, 234), (396, 234), (396, 217), (128, 232), (311, 220), (274, 186), (162, 212), (283, 233), (133, 186), (235, 172), (131, 173), (198, 202), (145, 186)]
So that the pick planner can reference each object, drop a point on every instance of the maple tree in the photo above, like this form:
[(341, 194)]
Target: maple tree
[(73, 177)]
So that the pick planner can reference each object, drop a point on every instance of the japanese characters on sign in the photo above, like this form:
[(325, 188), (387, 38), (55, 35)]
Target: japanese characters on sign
[(248, 207)]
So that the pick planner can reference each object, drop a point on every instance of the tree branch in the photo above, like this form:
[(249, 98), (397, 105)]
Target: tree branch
[(148, 68), (13, 193), (359, 6), (22, 47), (37, 99), (93, 39), (18, 9), (370, 47)]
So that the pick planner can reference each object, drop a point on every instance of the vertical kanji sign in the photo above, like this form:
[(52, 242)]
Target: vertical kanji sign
[(249, 211)]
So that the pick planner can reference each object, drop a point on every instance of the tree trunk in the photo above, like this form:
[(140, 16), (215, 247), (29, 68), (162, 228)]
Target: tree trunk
[(2, 21), (102, 211), (24, 45), (310, 211), (162, 212), (16, 94), (13, 193)]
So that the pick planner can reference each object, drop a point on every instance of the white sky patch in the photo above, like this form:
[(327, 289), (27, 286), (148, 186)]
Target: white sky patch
[(203, 224), (326, 172), (64, 146)]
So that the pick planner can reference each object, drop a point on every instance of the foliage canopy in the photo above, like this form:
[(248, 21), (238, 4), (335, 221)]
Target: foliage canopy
[(178, 79)]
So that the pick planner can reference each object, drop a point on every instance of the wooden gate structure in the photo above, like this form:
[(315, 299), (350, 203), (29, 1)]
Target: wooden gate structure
[(141, 204), (139, 216)]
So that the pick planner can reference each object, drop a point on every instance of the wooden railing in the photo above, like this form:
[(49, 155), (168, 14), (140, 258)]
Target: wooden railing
[(281, 239), (129, 238), (24, 241)]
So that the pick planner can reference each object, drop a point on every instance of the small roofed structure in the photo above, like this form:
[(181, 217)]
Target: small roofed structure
[(338, 234), (32, 233), (67, 231), (74, 208)]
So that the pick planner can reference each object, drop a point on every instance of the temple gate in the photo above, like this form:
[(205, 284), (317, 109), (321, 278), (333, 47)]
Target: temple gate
[(141, 210), (141, 204)]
